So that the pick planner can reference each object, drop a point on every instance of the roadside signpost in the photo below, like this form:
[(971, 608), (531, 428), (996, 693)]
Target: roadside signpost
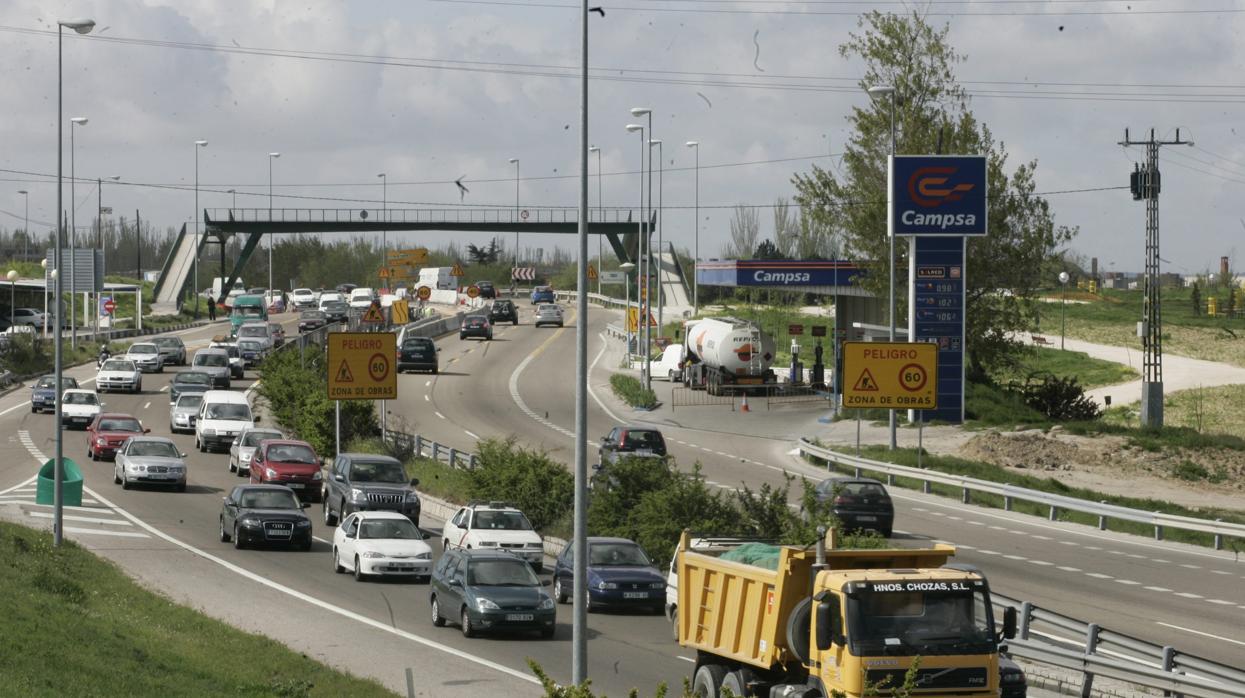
[(890, 375), (360, 367), (424, 293), (400, 311), (613, 277), (373, 315), (473, 291), (795, 330), (592, 273), (457, 271)]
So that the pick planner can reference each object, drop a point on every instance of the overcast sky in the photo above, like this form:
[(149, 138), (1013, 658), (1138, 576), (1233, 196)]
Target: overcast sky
[(468, 86)]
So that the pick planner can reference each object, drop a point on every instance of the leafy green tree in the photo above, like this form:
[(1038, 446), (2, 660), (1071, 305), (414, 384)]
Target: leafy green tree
[(932, 115)]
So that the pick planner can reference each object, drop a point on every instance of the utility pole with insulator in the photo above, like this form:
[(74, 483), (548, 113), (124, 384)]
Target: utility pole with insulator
[(1145, 185)]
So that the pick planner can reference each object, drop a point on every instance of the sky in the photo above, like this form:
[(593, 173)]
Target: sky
[(428, 91)]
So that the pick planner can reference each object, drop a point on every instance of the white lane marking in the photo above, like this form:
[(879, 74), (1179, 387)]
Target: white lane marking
[(19, 486), (1161, 590), (592, 366), (85, 519), (1221, 602), (686, 659), (1039, 537), (147, 404), (427, 383), (1020, 558), (98, 532), (1161, 560), (318, 538), (1218, 572), (15, 407), (1189, 595), (471, 435), (1066, 568), (984, 551), (1128, 582), (317, 602), (427, 399), (1041, 563), (975, 523), (164, 388), (1098, 575), (1191, 567), (439, 415), (1199, 632)]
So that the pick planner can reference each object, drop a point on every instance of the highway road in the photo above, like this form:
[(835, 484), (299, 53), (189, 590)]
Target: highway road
[(520, 384)]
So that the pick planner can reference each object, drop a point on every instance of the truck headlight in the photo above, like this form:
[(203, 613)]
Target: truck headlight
[(1012, 677), (486, 605)]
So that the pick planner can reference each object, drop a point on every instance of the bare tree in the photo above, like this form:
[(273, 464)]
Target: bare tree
[(745, 229), (786, 233)]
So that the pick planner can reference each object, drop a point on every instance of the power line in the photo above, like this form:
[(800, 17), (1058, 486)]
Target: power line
[(839, 13)]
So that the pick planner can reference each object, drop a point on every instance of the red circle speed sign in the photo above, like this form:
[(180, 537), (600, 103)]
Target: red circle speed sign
[(378, 367), (912, 377)]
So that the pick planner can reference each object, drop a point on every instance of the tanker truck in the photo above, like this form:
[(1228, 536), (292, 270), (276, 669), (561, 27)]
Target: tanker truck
[(790, 622), (727, 354)]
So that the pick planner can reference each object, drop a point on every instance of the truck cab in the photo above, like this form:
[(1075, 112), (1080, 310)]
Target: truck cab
[(245, 309)]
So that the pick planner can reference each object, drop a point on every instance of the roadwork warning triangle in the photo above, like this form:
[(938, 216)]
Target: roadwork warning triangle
[(343, 373), (592, 272), (457, 270), (373, 314), (866, 383)]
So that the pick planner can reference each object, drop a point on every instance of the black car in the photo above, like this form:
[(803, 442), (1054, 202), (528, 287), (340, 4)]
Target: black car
[(860, 503), (336, 311), (632, 441), (312, 320), (476, 326), (486, 590), (503, 311), (417, 354), (1012, 681), (368, 482), (487, 289), (190, 382), (264, 514)]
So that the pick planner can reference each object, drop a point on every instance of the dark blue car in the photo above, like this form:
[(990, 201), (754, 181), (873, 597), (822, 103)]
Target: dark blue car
[(543, 294), (43, 392), (620, 575)]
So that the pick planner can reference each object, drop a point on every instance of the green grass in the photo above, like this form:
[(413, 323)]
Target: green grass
[(1089, 372), (75, 625), (986, 471), (629, 390), (992, 405)]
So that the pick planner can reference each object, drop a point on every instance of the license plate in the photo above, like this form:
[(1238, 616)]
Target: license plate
[(866, 518), (519, 616), (644, 452), (635, 594), (295, 485)]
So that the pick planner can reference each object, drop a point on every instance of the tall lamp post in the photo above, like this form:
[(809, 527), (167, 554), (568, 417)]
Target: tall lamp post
[(661, 246), (515, 162), (626, 268), (646, 371), (384, 234), (99, 237), (1063, 307), (600, 216), (198, 241), (876, 91), (695, 145), (82, 26), (640, 292), (271, 157), (26, 229), (73, 236), (12, 277)]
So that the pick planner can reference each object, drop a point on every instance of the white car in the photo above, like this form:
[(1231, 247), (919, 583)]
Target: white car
[(381, 543), (119, 374), (79, 407), (28, 316), (548, 314), (330, 296), (361, 298), (495, 526), (146, 356), (303, 298)]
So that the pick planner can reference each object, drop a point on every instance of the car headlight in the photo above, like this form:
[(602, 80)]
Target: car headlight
[(356, 493), (317, 475), (546, 604), (537, 545), (372, 555), (412, 496), (101, 441), (248, 521), (305, 524), (607, 585), (486, 605), (245, 456), (487, 544), (176, 469), (209, 432), (270, 473), (424, 556), (1012, 677), (657, 585), (136, 468)]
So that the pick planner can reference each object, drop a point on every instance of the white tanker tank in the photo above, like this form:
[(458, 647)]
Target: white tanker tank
[(727, 353)]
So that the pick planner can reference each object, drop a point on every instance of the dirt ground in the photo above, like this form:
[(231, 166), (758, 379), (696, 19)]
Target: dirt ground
[(1109, 464)]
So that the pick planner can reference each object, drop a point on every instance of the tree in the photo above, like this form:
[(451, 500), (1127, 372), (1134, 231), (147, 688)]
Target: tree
[(786, 232), (745, 229), (1197, 298), (932, 115), (767, 250)]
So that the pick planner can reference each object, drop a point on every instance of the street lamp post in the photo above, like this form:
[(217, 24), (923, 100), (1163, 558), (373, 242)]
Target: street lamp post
[(640, 292), (26, 229), (626, 268), (661, 246), (198, 241), (695, 145), (873, 92), (224, 292), (82, 26), (73, 236), (646, 370), (12, 277), (384, 234), (600, 217), (1063, 307), (271, 157), (515, 162)]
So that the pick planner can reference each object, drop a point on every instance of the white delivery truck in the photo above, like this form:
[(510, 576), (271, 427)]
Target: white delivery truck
[(437, 278)]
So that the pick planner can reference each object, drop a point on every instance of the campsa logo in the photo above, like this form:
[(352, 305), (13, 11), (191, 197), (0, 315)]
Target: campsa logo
[(929, 187), (785, 277)]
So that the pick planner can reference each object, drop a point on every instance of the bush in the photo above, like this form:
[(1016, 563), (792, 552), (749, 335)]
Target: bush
[(629, 390), (297, 401), (1061, 399), (24, 355), (532, 481)]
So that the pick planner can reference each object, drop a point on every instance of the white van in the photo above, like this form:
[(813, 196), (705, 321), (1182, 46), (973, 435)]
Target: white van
[(437, 278), (670, 365), (223, 415), (361, 298)]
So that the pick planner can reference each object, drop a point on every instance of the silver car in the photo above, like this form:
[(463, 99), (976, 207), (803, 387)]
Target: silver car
[(173, 349), (146, 356), (243, 448), (548, 314), (182, 413), (257, 331), (150, 460), (215, 363)]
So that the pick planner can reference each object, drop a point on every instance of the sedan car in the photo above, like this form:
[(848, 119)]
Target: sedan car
[(312, 320), (476, 326), (237, 367), (27, 316), (264, 514), (190, 382), (644, 442), (859, 502), (495, 525), (487, 289), (243, 448), (380, 543), (109, 431), (336, 311), (215, 362), (548, 314), (251, 351), (146, 356), (79, 407), (173, 349), (417, 354), (183, 412), (485, 590), (150, 460), (543, 294), (620, 575), (43, 392), (119, 374), (287, 462), (303, 298)]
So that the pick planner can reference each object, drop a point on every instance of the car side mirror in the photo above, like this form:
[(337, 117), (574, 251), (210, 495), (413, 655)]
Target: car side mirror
[(256, 419), (305, 505), (597, 466), (1009, 622), (146, 430), (339, 477), (546, 582), (350, 534), (828, 625), (438, 349), (414, 482), (456, 583), (181, 455)]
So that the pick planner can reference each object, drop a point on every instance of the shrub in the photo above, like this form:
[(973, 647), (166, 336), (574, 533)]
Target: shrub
[(297, 400), (629, 390), (530, 480), (1061, 399)]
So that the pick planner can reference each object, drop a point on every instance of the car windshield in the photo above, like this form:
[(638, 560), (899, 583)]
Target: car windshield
[(617, 555), (81, 399), (228, 410), (870, 490), (193, 378), (170, 342), (253, 331), (158, 449), (920, 618), (400, 529), (268, 499), (144, 349), (248, 345), (501, 573), (50, 382), (642, 439), (502, 521), (253, 438), (118, 365), (475, 322), (301, 292), (291, 453), (335, 305), (216, 360), (313, 315), (120, 424), (189, 402), (377, 471)]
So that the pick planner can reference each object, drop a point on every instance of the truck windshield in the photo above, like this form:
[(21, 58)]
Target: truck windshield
[(247, 311), (920, 618)]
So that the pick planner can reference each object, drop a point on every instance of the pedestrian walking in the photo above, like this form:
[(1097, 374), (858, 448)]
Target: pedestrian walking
[(212, 309)]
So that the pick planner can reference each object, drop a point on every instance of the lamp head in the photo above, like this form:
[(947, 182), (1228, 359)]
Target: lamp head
[(82, 26), (79, 120), (200, 142), (114, 177), (381, 175), (1063, 277), (634, 127), (23, 191), (231, 191), (43, 263), (274, 155), (692, 144), (654, 141), (12, 275), (878, 90), (513, 160), (641, 111), (626, 266), (593, 149)]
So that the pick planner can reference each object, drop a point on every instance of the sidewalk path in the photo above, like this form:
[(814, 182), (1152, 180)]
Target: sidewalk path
[(1179, 372)]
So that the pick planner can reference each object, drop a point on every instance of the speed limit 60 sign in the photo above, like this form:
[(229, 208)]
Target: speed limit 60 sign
[(361, 366), (890, 375)]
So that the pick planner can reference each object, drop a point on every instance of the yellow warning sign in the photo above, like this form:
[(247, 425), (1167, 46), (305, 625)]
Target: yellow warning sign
[(890, 375), (373, 314), (384, 272), (633, 320), (592, 272), (400, 311), (473, 291), (364, 364), (457, 270)]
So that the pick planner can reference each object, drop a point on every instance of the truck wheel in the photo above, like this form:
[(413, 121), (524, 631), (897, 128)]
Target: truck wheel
[(674, 623), (736, 683), (798, 627), (707, 680)]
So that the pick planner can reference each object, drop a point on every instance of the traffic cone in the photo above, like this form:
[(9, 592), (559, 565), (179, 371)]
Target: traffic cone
[(743, 406)]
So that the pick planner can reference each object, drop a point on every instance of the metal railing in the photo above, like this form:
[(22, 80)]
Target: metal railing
[(380, 216), (415, 445), (1011, 493), (1093, 650)]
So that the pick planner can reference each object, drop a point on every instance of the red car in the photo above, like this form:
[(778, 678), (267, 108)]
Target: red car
[(290, 463), (107, 432)]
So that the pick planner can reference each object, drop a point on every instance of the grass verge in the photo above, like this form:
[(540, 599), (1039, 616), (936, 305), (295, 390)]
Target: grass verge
[(76, 625), (1088, 371), (629, 390)]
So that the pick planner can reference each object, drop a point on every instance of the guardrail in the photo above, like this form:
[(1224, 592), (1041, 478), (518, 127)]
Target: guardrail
[(1052, 638), (415, 445), (598, 298), (1011, 493)]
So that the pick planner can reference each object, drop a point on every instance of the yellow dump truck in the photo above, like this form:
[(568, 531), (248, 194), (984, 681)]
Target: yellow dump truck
[(838, 621)]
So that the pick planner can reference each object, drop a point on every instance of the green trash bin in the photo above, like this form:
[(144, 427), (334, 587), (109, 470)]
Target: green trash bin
[(71, 484)]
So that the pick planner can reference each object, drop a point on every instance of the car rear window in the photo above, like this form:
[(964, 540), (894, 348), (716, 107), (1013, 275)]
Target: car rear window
[(254, 437), (120, 424), (417, 344), (195, 378), (853, 489), (643, 439), (211, 360)]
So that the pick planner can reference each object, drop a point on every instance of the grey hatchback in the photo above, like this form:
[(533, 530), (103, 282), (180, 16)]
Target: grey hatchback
[(487, 590), (859, 502)]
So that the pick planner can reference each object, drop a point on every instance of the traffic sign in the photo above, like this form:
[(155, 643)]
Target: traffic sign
[(633, 319), (819, 330), (384, 273), (400, 311), (613, 277), (457, 270), (890, 375), (424, 293), (109, 306), (473, 291), (592, 272), (419, 255), (373, 314), (795, 329), (361, 366)]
